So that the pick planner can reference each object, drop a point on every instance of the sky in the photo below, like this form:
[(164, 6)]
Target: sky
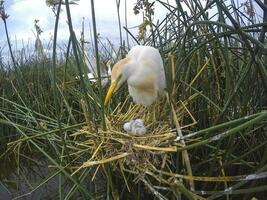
[(22, 14)]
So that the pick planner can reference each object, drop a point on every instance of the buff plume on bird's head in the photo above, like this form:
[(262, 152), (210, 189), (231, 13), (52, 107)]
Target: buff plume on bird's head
[(143, 71)]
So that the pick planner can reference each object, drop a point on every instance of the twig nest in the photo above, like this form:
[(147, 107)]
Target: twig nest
[(135, 127)]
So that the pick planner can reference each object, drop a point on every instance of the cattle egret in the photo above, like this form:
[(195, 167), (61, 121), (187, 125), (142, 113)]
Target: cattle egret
[(92, 67), (143, 71)]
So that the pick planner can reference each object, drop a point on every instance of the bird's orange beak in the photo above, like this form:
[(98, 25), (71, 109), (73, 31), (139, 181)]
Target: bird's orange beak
[(111, 90)]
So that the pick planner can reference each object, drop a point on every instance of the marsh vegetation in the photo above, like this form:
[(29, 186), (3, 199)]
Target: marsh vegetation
[(206, 136)]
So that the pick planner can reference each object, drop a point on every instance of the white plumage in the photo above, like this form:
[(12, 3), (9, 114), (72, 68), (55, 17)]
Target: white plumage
[(143, 71)]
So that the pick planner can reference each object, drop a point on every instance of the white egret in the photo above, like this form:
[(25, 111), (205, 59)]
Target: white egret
[(92, 67), (143, 71)]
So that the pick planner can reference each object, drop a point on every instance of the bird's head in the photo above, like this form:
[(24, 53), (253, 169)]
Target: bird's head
[(119, 74)]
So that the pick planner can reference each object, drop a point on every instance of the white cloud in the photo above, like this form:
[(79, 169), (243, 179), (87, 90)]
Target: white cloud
[(24, 12)]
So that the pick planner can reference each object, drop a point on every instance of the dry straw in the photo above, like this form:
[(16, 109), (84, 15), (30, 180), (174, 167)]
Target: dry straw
[(141, 156)]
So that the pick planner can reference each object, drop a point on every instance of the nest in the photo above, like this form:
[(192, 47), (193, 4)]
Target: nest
[(146, 157)]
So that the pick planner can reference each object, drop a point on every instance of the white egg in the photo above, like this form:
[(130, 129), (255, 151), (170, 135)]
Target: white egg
[(139, 122), (140, 131), (135, 127), (127, 126)]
